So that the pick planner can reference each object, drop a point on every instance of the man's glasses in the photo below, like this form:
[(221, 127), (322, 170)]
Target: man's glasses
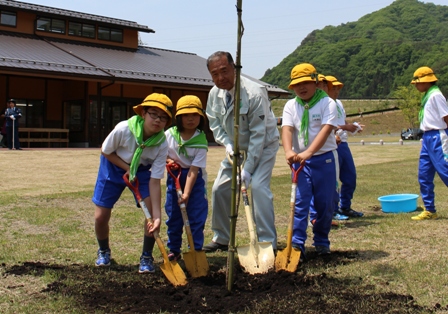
[(154, 116)]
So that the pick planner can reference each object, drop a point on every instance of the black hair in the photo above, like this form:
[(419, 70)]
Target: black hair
[(181, 128), (219, 54)]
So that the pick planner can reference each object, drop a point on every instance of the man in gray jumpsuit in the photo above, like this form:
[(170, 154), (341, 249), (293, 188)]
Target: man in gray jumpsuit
[(258, 136)]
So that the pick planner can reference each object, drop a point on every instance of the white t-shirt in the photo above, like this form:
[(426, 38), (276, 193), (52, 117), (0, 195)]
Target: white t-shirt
[(341, 120), (324, 112), (436, 109), (121, 141), (197, 157)]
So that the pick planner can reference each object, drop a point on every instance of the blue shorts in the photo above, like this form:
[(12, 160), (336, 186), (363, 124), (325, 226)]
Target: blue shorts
[(110, 184)]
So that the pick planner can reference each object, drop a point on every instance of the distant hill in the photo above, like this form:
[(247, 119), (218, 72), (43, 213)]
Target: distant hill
[(378, 53)]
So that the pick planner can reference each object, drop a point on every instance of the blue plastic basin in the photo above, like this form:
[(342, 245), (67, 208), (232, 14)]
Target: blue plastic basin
[(398, 203)]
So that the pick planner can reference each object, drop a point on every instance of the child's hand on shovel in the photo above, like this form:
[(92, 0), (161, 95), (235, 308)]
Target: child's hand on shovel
[(183, 199), (151, 227)]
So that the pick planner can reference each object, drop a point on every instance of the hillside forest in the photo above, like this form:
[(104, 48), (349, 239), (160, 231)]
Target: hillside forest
[(377, 55)]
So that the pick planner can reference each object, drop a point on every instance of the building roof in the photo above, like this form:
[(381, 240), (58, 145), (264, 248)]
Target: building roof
[(53, 12), (56, 57)]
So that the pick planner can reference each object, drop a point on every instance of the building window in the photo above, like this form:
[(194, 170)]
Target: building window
[(110, 34), (46, 24), (81, 29), (8, 18), (32, 113)]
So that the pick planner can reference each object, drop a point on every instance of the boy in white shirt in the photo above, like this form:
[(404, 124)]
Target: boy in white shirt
[(347, 169), (433, 118), (309, 121), (136, 147)]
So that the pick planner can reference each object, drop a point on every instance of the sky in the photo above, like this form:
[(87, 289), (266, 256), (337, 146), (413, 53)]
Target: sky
[(272, 29)]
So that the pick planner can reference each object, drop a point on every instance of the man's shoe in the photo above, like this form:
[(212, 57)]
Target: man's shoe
[(349, 212), (174, 256), (213, 247), (322, 250), (425, 215), (103, 258), (19, 148), (338, 216), (146, 263)]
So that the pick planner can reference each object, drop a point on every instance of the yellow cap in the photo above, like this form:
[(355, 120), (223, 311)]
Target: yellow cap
[(424, 75), (303, 72), (160, 101), (189, 104), (334, 81)]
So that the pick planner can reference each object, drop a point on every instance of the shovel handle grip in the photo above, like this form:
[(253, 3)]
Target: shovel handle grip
[(133, 186), (174, 166), (296, 172)]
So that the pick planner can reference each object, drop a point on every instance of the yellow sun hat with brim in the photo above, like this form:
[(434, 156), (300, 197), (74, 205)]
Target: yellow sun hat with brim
[(160, 101), (424, 75), (321, 77), (334, 81), (189, 104), (304, 72)]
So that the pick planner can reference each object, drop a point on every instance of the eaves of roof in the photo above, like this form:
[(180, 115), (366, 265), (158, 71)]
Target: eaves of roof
[(50, 11), (146, 64)]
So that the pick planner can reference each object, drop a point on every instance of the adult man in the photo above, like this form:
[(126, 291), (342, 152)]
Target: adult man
[(12, 114), (347, 170), (258, 136)]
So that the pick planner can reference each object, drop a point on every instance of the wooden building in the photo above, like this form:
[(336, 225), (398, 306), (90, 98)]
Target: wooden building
[(83, 73)]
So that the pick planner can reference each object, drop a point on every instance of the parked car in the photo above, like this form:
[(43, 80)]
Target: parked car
[(411, 134)]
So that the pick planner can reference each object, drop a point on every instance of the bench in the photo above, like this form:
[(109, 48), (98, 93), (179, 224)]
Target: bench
[(43, 135)]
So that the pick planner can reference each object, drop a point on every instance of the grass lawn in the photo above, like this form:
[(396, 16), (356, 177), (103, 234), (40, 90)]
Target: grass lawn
[(46, 217)]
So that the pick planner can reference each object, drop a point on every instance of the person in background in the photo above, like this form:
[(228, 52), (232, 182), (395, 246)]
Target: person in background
[(309, 121), (187, 147), (12, 116), (433, 117), (347, 169), (258, 137), (3, 143), (136, 147), (326, 86)]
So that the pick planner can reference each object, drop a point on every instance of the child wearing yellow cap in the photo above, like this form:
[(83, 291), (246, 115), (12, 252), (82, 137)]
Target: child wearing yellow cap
[(309, 121), (187, 147), (433, 118), (347, 169), (136, 147)]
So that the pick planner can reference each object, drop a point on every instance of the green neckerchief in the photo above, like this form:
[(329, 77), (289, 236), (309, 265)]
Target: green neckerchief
[(198, 141), (425, 98), (318, 95), (136, 127)]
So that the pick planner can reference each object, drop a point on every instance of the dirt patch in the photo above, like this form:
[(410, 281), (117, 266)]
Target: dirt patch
[(120, 289)]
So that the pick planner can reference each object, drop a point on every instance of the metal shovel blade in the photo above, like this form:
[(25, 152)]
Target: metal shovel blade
[(174, 273), (196, 263), (287, 259), (256, 259), (171, 269)]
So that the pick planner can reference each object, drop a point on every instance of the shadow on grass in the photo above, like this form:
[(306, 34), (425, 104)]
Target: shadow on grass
[(314, 288)]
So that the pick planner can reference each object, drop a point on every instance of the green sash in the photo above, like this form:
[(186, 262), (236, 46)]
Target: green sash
[(136, 127), (198, 141), (425, 98), (318, 95)]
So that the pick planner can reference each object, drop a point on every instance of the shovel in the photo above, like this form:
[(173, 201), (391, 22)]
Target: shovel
[(195, 261), (171, 269), (256, 257), (289, 258)]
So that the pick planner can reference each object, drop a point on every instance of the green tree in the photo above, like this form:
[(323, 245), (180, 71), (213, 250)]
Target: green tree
[(408, 100), (378, 53)]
